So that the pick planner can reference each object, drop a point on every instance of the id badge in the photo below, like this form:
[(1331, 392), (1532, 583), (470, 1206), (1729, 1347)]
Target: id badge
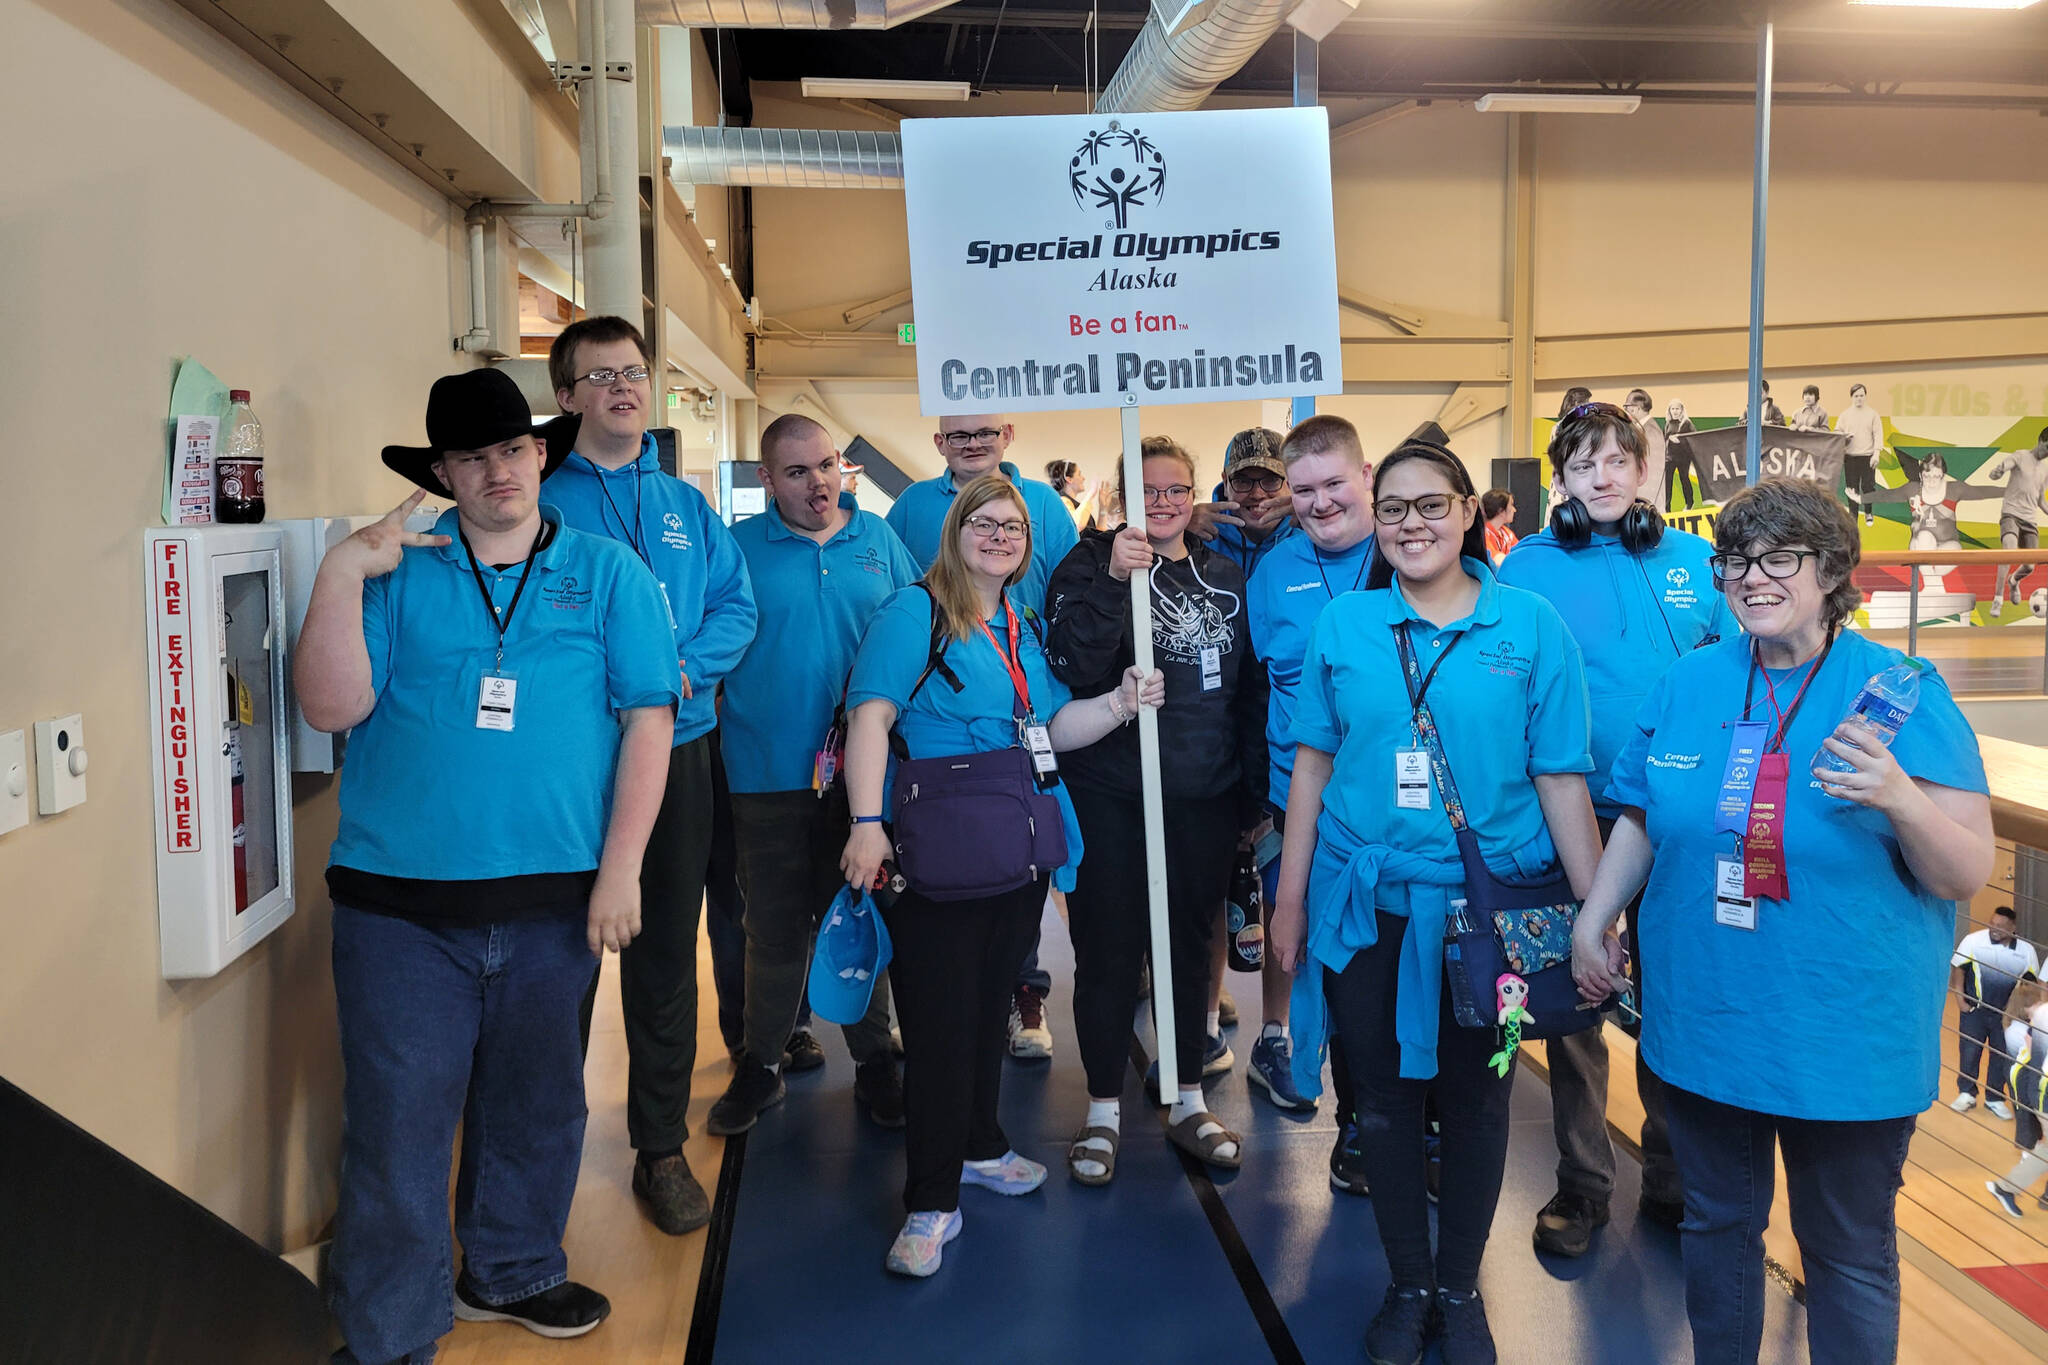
[(1411, 779), (1212, 668), (1732, 909), (496, 695), (1038, 739)]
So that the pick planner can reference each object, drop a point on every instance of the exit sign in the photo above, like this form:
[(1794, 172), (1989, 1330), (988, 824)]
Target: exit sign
[(906, 334)]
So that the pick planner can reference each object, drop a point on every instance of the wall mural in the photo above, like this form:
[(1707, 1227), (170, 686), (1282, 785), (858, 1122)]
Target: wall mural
[(1964, 479)]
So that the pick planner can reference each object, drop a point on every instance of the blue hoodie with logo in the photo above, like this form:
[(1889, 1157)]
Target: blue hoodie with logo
[(1633, 617), (703, 576)]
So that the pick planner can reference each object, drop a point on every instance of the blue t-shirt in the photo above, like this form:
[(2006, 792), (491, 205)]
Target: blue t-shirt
[(675, 533), (1632, 615), (920, 514), (427, 794), (1296, 580), (981, 717), (1858, 945), (1509, 703), (814, 602)]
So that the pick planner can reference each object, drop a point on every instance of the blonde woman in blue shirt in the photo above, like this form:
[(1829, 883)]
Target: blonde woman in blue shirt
[(1370, 867)]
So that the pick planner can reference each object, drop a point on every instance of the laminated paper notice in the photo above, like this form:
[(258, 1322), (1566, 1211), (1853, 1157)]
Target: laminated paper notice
[(192, 469)]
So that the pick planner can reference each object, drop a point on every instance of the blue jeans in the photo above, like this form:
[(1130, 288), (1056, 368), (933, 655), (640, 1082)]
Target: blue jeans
[(1843, 1180), (477, 1024)]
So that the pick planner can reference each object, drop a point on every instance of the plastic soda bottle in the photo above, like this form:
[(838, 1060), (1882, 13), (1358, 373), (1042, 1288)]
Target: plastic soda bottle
[(1881, 708), (238, 468)]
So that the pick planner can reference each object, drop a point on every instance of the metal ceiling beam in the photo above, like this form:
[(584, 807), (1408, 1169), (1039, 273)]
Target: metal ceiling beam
[(1730, 35)]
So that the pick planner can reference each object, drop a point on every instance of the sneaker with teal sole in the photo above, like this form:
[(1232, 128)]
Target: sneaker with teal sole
[(1272, 1068)]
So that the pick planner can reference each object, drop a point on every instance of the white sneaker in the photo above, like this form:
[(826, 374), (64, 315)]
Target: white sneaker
[(1963, 1104), (1029, 1034), (1999, 1107), (922, 1242)]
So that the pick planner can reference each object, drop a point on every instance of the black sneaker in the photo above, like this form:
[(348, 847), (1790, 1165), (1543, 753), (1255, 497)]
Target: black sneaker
[(754, 1089), (1347, 1163), (879, 1086), (567, 1310), (802, 1054), (1463, 1337), (674, 1199), (1665, 1213), (1565, 1225), (1401, 1330)]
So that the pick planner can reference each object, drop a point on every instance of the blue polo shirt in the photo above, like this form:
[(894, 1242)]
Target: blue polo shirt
[(675, 533), (980, 718), (815, 600), (426, 794), (1294, 583), (1632, 615), (1858, 940), (920, 514)]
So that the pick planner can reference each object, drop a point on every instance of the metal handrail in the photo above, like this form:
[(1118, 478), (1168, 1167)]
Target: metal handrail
[(1913, 559)]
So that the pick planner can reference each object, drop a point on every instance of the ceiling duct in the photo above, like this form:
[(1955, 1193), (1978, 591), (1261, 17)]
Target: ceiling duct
[(1167, 70), (784, 158), (794, 14)]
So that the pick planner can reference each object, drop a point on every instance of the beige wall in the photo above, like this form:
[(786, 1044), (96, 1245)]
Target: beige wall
[(192, 204)]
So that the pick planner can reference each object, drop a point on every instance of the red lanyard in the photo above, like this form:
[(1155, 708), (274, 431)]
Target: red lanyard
[(1784, 717), (1011, 659)]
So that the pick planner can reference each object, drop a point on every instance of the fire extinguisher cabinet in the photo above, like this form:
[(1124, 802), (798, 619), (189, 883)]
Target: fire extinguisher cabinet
[(219, 741)]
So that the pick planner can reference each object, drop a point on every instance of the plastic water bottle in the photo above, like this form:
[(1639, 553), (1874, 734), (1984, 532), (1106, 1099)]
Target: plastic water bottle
[(1881, 708), (238, 467)]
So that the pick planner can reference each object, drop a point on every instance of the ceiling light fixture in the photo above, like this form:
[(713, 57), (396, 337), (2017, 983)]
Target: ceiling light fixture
[(834, 88), (1516, 102), (1949, 4)]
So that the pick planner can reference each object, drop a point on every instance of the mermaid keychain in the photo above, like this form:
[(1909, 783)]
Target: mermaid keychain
[(1512, 996)]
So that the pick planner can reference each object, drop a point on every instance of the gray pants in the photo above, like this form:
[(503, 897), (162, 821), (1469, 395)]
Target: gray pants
[(1578, 1115), (789, 845)]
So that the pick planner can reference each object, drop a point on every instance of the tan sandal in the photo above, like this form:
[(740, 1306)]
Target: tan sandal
[(1189, 1137), (1077, 1153)]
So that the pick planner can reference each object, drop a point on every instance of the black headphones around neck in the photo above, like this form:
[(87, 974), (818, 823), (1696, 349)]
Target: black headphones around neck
[(1642, 526)]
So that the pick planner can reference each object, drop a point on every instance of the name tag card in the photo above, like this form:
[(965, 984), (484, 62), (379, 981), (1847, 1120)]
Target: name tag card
[(1731, 907), (496, 697), (1411, 779), (1038, 739), (1212, 668)]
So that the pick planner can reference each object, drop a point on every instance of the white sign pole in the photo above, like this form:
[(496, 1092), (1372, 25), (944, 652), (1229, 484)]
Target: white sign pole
[(1148, 776)]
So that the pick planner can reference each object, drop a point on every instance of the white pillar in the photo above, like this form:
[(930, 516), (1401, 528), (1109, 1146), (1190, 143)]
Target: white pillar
[(612, 243)]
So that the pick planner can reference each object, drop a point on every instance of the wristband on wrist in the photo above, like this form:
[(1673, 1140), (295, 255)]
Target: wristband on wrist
[(867, 819)]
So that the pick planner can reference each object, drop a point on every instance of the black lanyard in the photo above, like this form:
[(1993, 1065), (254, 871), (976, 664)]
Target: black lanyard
[(636, 536), (501, 624), (1364, 561), (1418, 694), (1798, 698)]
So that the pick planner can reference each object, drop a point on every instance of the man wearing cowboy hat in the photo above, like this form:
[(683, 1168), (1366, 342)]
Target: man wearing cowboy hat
[(509, 687)]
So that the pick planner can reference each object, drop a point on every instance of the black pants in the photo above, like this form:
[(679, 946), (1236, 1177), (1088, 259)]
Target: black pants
[(658, 973), (1471, 1102), (1109, 920), (1980, 1026), (955, 964), (1680, 471), (789, 846), (725, 912)]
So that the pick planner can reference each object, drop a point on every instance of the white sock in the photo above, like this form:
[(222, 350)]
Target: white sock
[(1189, 1105), (774, 1068), (1275, 1029), (1101, 1114), (1215, 1025), (1105, 1114)]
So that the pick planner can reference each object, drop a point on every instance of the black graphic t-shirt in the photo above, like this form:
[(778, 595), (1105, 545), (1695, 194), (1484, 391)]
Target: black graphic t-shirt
[(1212, 730)]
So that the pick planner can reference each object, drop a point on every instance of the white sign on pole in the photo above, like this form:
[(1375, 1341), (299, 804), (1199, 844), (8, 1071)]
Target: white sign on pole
[(1082, 261)]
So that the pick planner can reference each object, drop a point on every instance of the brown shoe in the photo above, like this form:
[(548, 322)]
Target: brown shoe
[(674, 1199)]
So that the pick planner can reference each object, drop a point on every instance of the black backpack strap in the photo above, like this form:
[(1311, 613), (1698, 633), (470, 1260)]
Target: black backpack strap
[(935, 662)]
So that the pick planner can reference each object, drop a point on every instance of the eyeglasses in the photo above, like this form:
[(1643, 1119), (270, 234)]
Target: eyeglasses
[(1779, 564), (1432, 506), (960, 440), (635, 374), (986, 528), (1176, 493), (1263, 482)]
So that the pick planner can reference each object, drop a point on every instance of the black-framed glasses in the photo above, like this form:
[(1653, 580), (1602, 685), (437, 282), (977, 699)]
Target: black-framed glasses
[(960, 440), (1779, 564), (1174, 493), (1432, 506), (1263, 480), (605, 378), (986, 528)]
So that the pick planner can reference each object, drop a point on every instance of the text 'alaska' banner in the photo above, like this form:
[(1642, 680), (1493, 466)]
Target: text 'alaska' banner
[(1719, 457), (1068, 261)]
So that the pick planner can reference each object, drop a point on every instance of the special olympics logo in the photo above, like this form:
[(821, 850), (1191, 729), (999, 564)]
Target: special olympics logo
[(1678, 577), (1118, 169)]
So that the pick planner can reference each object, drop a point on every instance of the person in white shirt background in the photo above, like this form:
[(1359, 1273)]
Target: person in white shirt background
[(1811, 415), (2019, 515), (1990, 962), (1639, 407), (2026, 1038), (1866, 442)]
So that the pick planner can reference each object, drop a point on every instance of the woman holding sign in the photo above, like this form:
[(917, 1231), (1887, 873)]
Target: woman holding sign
[(1497, 697), (951, 676), (1798, 870)]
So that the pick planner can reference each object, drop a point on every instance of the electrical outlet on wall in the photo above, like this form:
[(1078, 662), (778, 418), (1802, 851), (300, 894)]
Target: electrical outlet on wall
[(60, 763), (13, 781)]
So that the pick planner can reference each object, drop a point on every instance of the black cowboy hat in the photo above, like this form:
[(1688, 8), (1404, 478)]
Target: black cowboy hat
[(474, 409)]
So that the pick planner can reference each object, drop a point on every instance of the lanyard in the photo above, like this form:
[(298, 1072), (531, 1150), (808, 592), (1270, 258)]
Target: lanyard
[(504, 623), (1357, 578), (1012, 661), (1784, 718), (635, 535), (1419, 692)]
